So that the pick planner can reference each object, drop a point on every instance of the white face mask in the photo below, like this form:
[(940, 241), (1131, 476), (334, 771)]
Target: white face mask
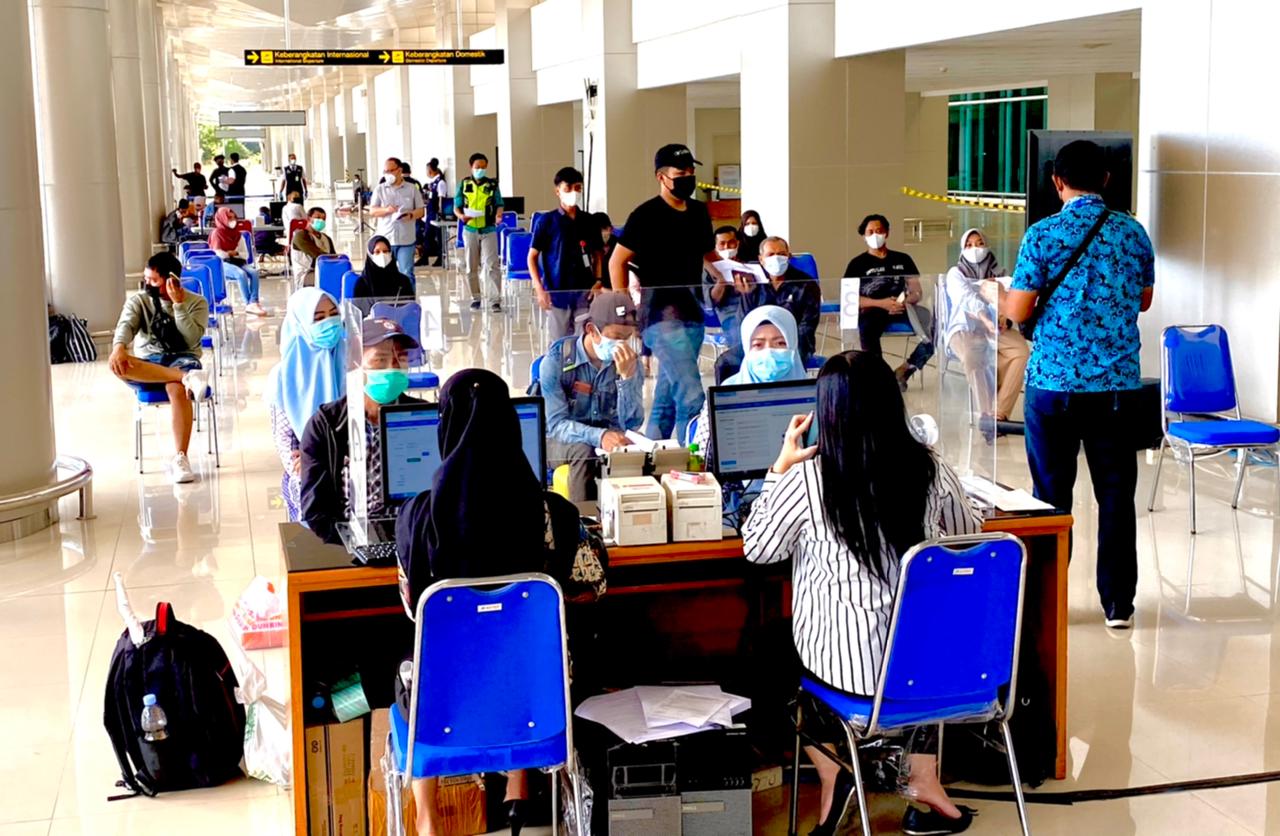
[(570, 199), (381, 259), (775, 265), (875, 241), (750, 230), (231, 224), (973, 255), (728, 253)]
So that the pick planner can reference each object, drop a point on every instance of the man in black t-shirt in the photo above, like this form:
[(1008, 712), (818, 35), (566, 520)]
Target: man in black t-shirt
[(235, 188), (218, 177), (890, 293), (195, 182), (666, 242)]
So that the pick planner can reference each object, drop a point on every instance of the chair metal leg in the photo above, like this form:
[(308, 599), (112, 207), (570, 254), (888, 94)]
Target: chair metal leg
[(208, 437), (858, 786), (1015, 778), (213, 426), (1242, 460), (555, 802), (395, 805), (1155, 481), (795, 778), (1191, 471)]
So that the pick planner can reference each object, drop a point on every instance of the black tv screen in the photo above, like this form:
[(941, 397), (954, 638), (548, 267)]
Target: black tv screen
[(1043, 147)]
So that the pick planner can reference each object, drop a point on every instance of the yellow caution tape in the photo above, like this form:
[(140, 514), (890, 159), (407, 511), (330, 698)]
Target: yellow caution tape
[(959, 201), (713, 186)]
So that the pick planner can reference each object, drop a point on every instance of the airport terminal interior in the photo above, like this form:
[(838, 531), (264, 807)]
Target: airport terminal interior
[(623, 226)]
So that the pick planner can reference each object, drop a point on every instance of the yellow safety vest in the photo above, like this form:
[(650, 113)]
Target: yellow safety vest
[(479, 196)]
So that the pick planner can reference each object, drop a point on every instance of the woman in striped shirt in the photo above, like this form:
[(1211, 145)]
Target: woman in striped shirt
[(846, 510)]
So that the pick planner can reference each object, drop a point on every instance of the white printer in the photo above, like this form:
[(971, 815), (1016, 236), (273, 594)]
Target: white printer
[(693, 506), (633, 511)]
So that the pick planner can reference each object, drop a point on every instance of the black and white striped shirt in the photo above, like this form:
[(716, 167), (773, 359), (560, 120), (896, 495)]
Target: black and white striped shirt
[(840, 611)]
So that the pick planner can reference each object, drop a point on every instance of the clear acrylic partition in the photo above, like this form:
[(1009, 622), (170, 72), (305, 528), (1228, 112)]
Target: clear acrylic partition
[(945, 399), (357, 530)]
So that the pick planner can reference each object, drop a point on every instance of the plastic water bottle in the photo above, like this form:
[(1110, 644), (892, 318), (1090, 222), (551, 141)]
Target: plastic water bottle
[(154, 722)]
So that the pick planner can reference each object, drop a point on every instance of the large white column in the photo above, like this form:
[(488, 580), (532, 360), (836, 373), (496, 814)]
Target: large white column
[(78, 168), (159, 163), (27, 460), (373, 164), (131, 151)]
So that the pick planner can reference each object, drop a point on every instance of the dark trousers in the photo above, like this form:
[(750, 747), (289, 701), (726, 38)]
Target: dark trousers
[(872, 323), (581, 459), (1057, 424)]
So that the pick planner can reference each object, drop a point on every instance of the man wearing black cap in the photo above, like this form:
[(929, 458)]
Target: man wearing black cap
[(325, 481), (594, 390), (666, 242)]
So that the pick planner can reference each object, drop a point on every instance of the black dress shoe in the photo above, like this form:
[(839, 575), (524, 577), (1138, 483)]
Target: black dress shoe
[(917, 822), (839, 800)]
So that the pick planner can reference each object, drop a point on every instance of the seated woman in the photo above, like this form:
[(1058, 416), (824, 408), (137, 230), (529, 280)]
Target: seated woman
[(228, 243), (769, 342), (307, 245), (381, 278), (449, 531), (845, 511), (974, 293), (311, 372), (326, 485)]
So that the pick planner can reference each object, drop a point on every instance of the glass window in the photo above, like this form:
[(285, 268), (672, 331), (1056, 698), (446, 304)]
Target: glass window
[(987, 139)]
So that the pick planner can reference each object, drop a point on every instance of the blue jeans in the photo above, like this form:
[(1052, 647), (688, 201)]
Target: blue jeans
[(1057, 424), (404, 258), (677, 394), (246, 276)]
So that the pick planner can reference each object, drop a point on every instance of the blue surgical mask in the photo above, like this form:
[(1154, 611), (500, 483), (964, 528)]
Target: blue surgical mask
[(326, 333), (769, 364), (479, 173), (606, 347), (775, 265)]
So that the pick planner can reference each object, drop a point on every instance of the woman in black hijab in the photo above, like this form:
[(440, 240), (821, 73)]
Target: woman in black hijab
[(487, 514), (381, 278), (751, 235)]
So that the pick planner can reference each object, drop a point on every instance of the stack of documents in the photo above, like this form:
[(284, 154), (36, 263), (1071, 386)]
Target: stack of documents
[(653, 712), (992, 495)]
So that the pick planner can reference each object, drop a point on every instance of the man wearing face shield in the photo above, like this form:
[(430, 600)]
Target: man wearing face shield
[(593, 386), (667, 242), (564, 257)]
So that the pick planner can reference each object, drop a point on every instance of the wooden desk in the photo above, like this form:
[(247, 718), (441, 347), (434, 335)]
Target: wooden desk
[(325, 592)]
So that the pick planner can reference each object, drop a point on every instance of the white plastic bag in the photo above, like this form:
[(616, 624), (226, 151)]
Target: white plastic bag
[(268, 745)]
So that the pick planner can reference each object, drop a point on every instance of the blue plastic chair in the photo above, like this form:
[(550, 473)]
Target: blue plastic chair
[(509, 219), (329, 272), (535, 368), (1197, 378), (969, 589), (408, 314), (490, 688), (516, 265), (186, 248), (814, 364), (806, 263), (349, 280)]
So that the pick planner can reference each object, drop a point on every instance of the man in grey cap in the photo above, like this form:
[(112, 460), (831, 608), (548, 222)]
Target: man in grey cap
[(593, 387)]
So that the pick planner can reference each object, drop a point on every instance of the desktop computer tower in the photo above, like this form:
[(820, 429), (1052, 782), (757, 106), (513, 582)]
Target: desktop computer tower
[(651, 816), (715, 813)]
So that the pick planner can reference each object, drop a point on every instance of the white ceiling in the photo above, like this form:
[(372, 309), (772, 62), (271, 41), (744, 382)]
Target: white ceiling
[(1102, 44)]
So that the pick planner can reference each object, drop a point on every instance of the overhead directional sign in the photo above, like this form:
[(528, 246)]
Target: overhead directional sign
[(369, 57), (261, 118)]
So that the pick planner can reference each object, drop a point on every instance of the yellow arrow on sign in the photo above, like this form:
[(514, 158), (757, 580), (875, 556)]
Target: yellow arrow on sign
[(253, 57), (384, 57)]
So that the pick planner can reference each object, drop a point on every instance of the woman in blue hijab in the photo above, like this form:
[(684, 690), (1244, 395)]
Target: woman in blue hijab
[(311, 371), (770, 352)]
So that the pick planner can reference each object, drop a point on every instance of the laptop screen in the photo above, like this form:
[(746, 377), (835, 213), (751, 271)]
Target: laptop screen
[(410, 450), (748, 422)]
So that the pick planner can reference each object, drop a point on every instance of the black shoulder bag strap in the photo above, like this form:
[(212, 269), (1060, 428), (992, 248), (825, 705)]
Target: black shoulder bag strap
[(1029, 326)]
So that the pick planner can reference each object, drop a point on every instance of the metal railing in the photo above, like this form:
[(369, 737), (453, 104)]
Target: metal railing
[(80, 481)]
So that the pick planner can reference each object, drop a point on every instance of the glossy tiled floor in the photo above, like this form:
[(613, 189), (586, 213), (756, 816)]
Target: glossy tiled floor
[(1192, 692)]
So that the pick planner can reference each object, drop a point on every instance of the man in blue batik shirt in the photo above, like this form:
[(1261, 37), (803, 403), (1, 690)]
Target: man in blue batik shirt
[(593, 386), (1083, 377)]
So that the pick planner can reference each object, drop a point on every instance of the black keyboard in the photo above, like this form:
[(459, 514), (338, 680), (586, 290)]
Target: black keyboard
[(376, 554)]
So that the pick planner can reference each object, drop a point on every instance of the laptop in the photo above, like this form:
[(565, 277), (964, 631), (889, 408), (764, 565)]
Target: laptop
[(748, 422)]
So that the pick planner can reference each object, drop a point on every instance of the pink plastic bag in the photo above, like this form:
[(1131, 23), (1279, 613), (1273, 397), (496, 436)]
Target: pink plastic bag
[(257, 619)]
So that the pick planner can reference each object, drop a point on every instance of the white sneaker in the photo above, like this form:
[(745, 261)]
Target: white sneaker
[(180, 470), (196, 382)]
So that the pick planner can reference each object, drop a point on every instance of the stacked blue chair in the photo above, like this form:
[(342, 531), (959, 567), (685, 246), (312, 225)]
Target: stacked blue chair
[(349, 280), (516, 264), (969, 589), (329, 272), (186, 248), (220, 313), (490, 688), (408, 315), (1197, 378), (197, 279)]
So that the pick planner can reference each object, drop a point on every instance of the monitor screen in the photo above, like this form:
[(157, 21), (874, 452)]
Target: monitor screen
[(533, 433), (1043, 148), (410, 450), (513, 204), (748, 422)]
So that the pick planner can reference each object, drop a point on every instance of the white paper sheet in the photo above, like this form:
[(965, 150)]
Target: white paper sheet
[(750, 270), (681, 707), (623, 713)]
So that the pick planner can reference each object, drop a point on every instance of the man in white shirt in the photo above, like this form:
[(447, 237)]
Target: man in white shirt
[(397, 205)]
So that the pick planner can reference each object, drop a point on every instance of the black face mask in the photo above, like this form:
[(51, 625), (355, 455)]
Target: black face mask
[(682, 187)]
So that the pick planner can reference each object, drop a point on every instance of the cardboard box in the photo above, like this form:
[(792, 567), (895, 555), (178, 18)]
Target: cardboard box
[(335, 779), (460, 800)]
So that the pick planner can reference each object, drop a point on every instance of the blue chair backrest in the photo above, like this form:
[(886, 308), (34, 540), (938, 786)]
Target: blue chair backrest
[(518, 244), (409, 316), (510, 219), (186, 248), (329, 271), (461, 226), (806, 263), (1197, 369), (970, 592), (199, 273), (248, 245), (216, 272), (490, 671), (535, 368), (349, 280), (192, 284)]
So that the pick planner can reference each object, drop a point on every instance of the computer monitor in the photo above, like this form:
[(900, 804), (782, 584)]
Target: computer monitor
[(512, 203), (748, 422), (533, 433), (410, 450)]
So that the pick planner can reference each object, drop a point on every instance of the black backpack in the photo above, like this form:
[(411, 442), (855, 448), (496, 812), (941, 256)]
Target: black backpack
[(193, 682), (69, 340)]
